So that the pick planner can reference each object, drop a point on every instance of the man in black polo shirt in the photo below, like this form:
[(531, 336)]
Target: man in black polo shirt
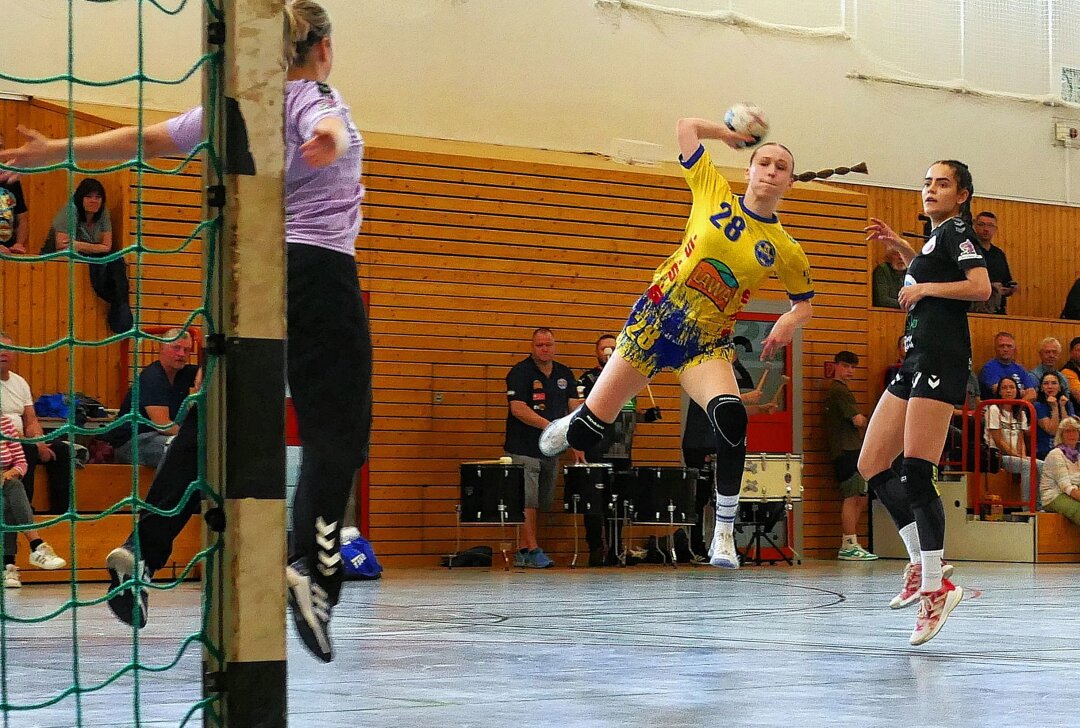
[(997, 266), (538, 389), (162, 388)]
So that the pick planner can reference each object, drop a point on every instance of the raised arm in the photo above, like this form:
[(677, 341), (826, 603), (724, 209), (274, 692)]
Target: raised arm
[(878, 231), (690, 133)]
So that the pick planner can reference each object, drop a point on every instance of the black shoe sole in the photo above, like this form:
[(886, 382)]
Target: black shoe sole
[(123, 604)]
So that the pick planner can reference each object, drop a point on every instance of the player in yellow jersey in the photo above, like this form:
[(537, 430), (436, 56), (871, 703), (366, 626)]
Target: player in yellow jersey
[(684, 320)]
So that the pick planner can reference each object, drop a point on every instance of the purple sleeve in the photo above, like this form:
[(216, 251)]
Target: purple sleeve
[(312, 106), (186, 130)]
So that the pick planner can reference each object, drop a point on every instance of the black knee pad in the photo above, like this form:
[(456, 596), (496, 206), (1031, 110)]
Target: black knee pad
[(728, 417), (920, 481), (586, 430), (887, 487)]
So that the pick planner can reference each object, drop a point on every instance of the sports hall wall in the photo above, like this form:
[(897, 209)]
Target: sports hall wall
[(574, 74), (466, 248)]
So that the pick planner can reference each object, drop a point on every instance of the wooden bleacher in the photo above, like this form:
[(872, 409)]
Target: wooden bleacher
[(97, 488), (1057, 539)]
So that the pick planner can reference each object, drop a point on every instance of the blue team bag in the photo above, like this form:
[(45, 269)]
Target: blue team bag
[(358, 556)]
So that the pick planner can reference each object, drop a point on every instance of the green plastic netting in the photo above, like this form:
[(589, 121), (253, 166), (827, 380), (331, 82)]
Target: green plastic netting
[(108, 675)]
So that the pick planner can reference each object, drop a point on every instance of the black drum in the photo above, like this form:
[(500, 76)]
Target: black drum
[(591, 483), (623, 493), (488, 490), (660, 489)]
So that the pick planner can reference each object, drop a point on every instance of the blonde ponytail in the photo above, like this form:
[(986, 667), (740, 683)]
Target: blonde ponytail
[(307, 23)]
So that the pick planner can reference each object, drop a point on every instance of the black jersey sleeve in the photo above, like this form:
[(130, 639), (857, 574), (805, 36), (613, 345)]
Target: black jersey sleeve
[(958, 242), (518, 384)]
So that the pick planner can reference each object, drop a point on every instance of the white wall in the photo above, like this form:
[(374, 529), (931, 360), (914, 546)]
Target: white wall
[(571, 75)]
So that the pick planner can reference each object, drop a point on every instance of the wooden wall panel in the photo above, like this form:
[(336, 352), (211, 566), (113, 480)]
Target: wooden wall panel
[(1042, 243), (465, 255)]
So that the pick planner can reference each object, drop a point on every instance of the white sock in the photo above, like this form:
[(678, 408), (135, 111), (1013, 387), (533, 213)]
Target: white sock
[(850, 540), (910, 534), (931, 571), (726, 507)]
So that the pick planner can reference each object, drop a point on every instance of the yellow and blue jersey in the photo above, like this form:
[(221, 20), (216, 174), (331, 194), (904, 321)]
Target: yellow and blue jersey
[(726, 253)]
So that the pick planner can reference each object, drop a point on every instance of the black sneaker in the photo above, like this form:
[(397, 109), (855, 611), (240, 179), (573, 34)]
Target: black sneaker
[(311, 607), (123, 568)]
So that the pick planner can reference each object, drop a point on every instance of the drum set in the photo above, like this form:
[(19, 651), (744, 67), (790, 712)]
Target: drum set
[(493, 492), (655, 496)]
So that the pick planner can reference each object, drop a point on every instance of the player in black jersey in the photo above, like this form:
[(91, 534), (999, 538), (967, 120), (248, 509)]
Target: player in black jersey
[(914, 412)]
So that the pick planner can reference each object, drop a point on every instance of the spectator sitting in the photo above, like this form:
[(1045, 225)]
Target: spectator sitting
[(1049, 351), (889, 279), (1071, 370), (1059, 485), (1004, 365), (1051, 407), (997, 266), (162, 388), (1071, 310), (85, 220), (14, 215), (17, 406), (17, 510), (1006, 431)]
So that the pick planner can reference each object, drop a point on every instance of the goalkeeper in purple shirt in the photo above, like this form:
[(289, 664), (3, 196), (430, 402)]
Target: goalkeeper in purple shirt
[(329, 342)]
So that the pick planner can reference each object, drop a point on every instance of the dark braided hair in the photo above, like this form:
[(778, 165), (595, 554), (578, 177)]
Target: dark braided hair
[(963, 182)]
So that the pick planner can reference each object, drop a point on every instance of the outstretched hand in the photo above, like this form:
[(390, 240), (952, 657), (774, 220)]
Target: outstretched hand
[(33, 153), (880, 232), (321, 149)]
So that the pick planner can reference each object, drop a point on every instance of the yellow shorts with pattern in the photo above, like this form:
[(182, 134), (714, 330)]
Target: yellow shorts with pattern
[(658, 337)]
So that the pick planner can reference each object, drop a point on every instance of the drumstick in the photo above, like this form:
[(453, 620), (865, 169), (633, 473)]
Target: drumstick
[(784, 379), (651, 398), (761, 382)]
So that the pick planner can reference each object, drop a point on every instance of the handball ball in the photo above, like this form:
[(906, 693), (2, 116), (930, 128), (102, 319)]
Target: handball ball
[(749, 120)]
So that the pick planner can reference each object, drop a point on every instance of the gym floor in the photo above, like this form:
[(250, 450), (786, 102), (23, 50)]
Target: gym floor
[(812, 645)]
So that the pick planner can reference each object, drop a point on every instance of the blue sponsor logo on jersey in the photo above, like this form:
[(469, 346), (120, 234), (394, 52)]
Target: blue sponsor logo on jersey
[(765, 252)]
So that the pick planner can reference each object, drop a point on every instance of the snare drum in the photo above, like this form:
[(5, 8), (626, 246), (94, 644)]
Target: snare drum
[(772, 478), (590, 483), (491, 489), (666, 495)]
